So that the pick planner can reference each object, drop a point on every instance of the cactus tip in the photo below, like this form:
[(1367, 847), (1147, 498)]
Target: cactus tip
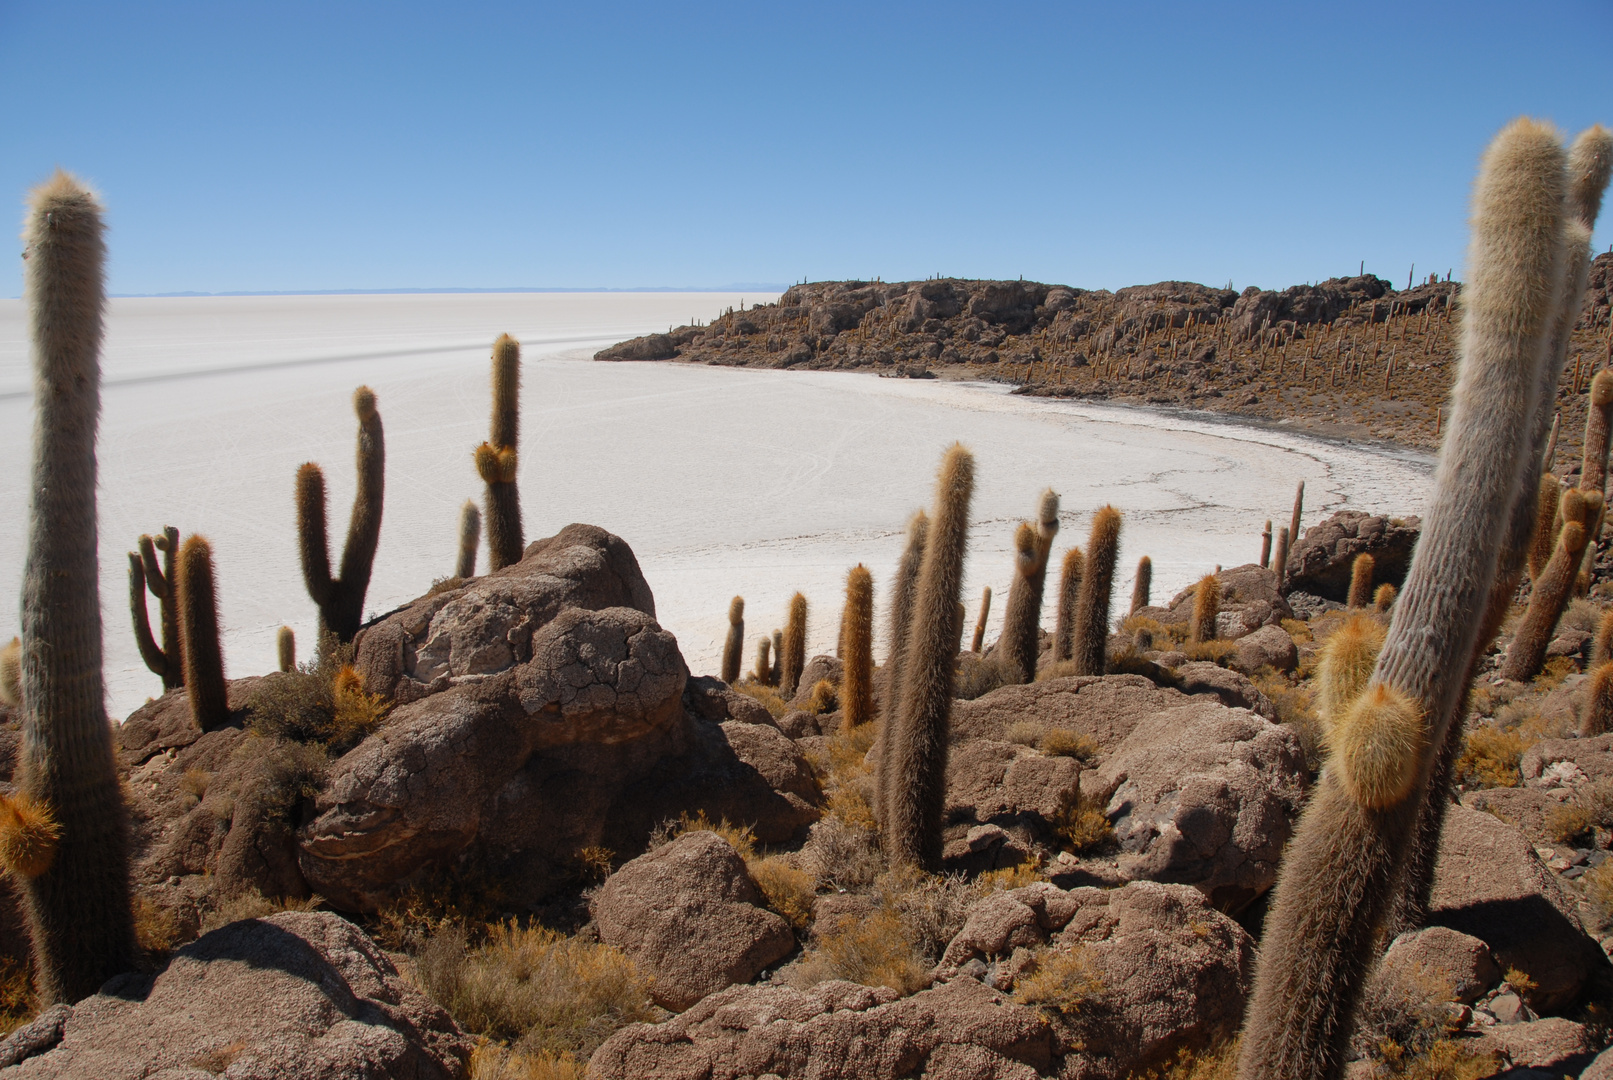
[(364, 403), (28, 836), (1377, 745)]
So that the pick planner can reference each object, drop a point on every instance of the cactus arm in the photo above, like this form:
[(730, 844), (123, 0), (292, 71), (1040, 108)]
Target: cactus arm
[(198, 620), (470, 532), (496, 459), (1097, 587), (979, 640), (364, 526), (312, 545), (149, 652)]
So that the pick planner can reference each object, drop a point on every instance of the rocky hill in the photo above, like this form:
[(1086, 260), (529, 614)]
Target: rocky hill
[(1348, 356)]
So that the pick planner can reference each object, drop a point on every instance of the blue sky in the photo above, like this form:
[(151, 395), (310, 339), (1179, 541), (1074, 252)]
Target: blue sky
[(292, 146)]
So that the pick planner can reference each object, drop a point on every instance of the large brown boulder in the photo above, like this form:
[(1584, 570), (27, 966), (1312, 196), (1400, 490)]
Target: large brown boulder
[(837, 1031), (486, 625), (1170, 971), (689, 914), (1203, 795), (300, 996), (1321, 562), (1250, 599), (1105, 708), (1490, 884)]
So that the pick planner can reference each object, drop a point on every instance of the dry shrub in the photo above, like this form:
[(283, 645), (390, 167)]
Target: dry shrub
[(1061, 981), (1444, 1059), (931, 907), (977, 676), (1597, 884), (1218, 1062), (1216, 651), (842, 770), (1552, 674), (841, 855), (1009, 877), (253, 905), (1294, 704), (1581, 615), (1161, 636), (873, 950), (740, 836), (594, 864), (547, 993), (156, 928), (789, 890), (1490, 757), (769, 697), (825, 698), (1084, 827), (1298, 630), (1570, 823), (1062, 742), (18, 1002), (495, 1061), (1402, 1014), (1024, 732), (323, 701), (195, 782)]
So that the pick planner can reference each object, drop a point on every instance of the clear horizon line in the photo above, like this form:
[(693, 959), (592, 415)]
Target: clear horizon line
[(744, 286)]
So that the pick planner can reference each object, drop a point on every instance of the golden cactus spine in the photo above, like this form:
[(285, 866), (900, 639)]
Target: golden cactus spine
[(1383, 598), (145, 572), (1342, 868), (1544, 537), (733, 646), (793, 658), (857, 649), (341, 599), (907, 575), (80, 920), (1361, 571), (1097, 588), (1345, 665), (496, 459), (1206, 606), (470, 536), (979, 640), (764, 664), (1598, 715), (917, 746)]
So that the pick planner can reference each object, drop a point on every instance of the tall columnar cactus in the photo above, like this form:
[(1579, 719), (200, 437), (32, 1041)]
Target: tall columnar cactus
[(792, 660), (198, 630), (1345, 665), (1598, 426), (11, 673), (979, 640), (1293, 520), (1384, 597), (917, 747), (1097, 588), (907, 575), (341, 599), (1546, 523), (1602, 641), (1598, 717), (145, 572), (1206, 606), (1341, 869), (777, 671), (1579, 510), (1590, 162), (286, 648), (1265, 546), (763, 673), (1142, 585), (1361, 571), (1022, 618), (734, 645), (857, 649), (79, 916), (1069, 603), (496, 460), (1279, 558), (470, 537)]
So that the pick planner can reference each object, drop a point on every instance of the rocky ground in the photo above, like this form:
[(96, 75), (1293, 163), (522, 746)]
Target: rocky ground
[(1350, 357), (552, 851)]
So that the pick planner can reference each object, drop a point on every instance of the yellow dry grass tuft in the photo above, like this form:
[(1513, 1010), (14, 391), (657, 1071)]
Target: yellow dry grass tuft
[(1062, 981), (1084, 827), (1490, 757), (873, 950), (1062, 742), (495, 1061), (767, 695), (789, 890)]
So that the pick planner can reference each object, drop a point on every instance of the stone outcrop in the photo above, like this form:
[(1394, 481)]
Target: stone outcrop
[(1320, 563), (1104, 708), (1250, 599), (1203, 795), (1439, 957), (1490, 884), (689, 914), (1269, 647), (300, 996), (837, 1031)]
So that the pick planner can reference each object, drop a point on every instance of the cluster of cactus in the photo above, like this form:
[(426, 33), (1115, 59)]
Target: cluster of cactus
[(1022, 618), (146, 573), (1069, 603), (1360, 863)]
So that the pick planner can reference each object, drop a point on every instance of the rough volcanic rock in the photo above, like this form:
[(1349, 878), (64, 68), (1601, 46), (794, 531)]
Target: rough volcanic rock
[(712, 699), (295, 995), (486, 625), (1490, 884), (1593, 757), (1321, 562), (690, 915), (815, 670), (1203, 795), (1440, 956), (1250, 599), (1231, 687), (1106, 708), (648, 347), (1558, 1046), (987, 781), (1270, 646), (837, 1031)]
